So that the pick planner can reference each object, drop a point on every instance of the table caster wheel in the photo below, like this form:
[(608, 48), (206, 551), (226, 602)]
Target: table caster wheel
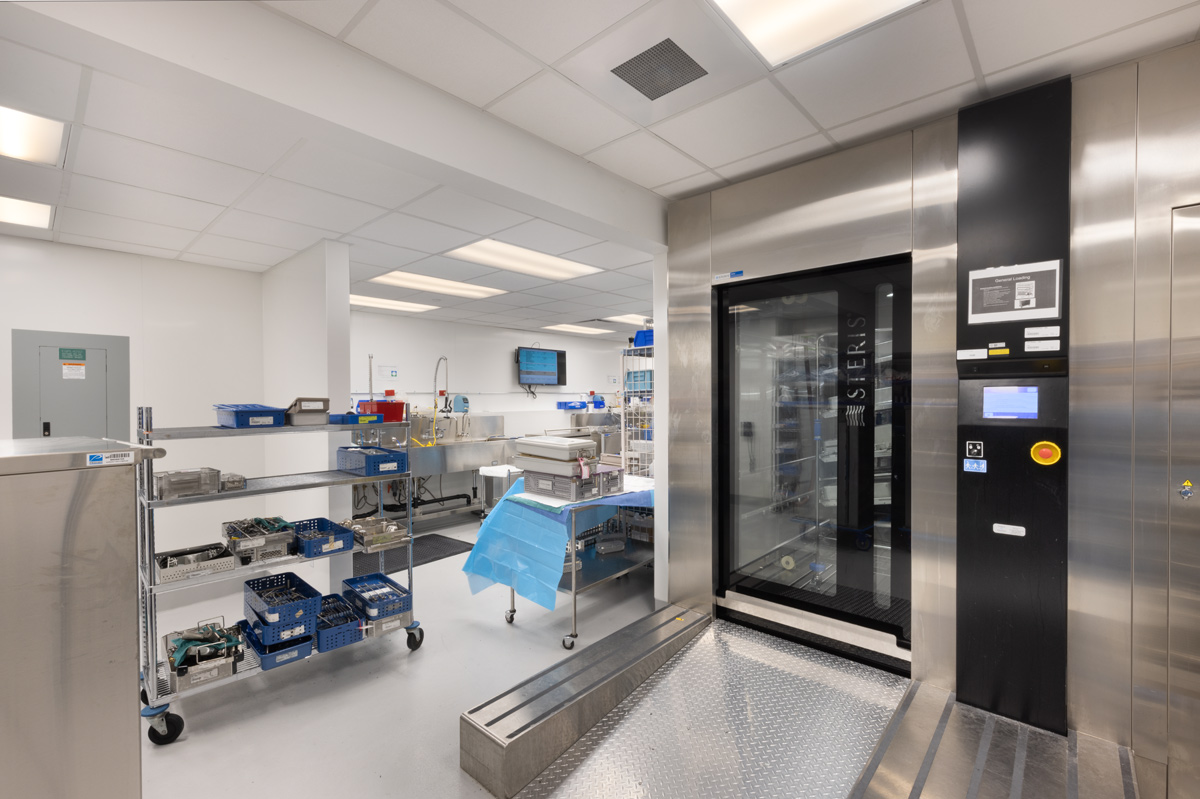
[(165, 729), (509, 615), (568, 642), (416, 638)]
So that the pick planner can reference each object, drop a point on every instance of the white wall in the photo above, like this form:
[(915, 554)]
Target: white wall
[(481, 366)]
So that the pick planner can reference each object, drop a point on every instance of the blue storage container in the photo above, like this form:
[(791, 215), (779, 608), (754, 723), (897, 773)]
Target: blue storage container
[(370, 461), (597, 402), (281, 631), (573, 405), (639, 380), (643, 338), (339, 624), (355, 418), (317, 537), (274, 655), (377, 596), (249, 416), (281, 597)]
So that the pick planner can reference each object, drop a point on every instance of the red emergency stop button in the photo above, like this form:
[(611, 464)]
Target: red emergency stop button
[(1045, 452)]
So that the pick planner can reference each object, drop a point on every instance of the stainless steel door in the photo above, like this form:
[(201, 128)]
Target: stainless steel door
[(1183, 493), (73, 395)]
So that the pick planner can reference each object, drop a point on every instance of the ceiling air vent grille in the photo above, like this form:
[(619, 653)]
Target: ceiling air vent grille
[(660, 70)]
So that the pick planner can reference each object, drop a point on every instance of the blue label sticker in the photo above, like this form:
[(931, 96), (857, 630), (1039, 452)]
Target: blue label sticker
[(973, 465), (738, 273), (95, 459)]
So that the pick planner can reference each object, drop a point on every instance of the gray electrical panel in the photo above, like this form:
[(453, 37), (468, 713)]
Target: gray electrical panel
[(70, 384)]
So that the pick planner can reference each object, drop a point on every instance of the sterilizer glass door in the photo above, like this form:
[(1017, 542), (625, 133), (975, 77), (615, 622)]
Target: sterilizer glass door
[(814, 385)]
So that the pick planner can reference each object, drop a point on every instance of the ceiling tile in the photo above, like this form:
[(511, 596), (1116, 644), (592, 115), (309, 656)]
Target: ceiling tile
[(558, 111), (523, 300), (771, 160), (37, 83), (909, 115), (643, 292), (484, 306), (329, 16), (238, 250), (907, 58), (1148, 37), (737, 125), (447, 314), (609, 255), (361, 272), (26, 181), (689, 186), (642, 307), (641, 271), (440, 46), (119, 246), (112, 228), (131, 202), (543, 236), (124, 160), (377, 254), (549, 29), (573, 309), (268, 230), (602, 301), (320, 209), (701, 35), (607, 281), (448, 268), (463, 211), (417, 234), (509, 281), (325, 166), (190, 122), (228, 263), (558, 291), (1004, 36), (440, 300), (645, 159)]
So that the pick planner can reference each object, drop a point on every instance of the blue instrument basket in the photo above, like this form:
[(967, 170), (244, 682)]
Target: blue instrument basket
[(249, 416), (281, 631), (388, 605), (318, 537), (297, 609), (367, 462), (355, 418), (282, 657), (334, 637)]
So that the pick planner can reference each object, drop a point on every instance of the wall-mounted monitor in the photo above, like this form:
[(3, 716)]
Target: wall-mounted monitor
[(1010, 402), (538, 367)]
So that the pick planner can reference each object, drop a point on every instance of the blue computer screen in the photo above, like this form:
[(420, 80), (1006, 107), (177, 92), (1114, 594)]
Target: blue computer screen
[(1010, 402), (538, 367)]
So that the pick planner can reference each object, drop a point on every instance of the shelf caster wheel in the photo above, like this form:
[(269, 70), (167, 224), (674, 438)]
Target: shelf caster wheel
[(509, 615), (415, 638), (145, 699), (165, 728), (568, 642)]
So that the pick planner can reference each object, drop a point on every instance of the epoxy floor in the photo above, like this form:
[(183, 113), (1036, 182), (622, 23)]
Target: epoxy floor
[(375, 720)]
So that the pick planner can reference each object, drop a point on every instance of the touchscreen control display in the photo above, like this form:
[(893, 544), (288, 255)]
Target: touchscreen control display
[(1010, 402)]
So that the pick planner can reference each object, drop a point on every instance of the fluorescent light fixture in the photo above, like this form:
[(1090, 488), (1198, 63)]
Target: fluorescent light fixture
[(780, 30), (512, 258), (589, 331), (392, 305), (23, 212), (409, 280), (30, 138), (627, 319)]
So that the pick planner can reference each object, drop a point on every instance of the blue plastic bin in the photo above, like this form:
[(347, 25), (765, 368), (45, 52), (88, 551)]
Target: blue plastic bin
[(368, 594), (639, 380), (334, 636), (279, 655), (281, 631), (317, 537), (355, 418), (643, 338), (274, 612), (249, 416), (370, 461), (572, 405)]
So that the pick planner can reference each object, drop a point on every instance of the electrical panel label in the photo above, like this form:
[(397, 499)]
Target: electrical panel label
[(71, 354), (74, 371), (1043, 346), (110, 459), (1008, 529), (975, 465)]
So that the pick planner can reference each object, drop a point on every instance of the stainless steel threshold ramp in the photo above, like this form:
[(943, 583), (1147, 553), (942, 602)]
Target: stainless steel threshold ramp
[(509, 740)]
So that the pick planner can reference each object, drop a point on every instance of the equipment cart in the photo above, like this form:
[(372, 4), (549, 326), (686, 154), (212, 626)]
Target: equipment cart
[(158, 689)]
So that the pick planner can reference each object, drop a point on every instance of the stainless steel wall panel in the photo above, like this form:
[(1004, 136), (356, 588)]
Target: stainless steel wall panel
[(690, 416), (934, 402), (844, 207), (1168, 177), (1100, 466)]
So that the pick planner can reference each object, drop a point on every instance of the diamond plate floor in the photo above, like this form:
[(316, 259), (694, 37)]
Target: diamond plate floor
[(737, 713)]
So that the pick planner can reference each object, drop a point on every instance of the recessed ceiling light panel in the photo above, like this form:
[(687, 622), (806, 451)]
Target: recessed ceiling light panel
[(29, 137), (512, 258), (362, 301), (781, 30), (437, 285), (628, 319), (589, 331), (23, 212)]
